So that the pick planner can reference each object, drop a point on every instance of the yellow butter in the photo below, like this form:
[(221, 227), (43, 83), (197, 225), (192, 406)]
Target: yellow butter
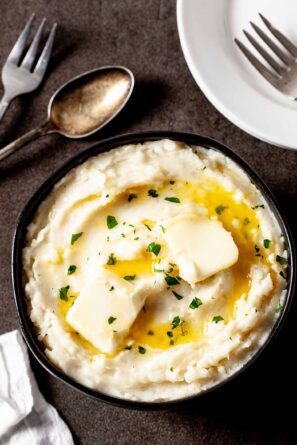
[(200, 247), (105, 309)]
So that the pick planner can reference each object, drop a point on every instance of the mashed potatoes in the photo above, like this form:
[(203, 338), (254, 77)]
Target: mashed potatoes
[(154, 271)]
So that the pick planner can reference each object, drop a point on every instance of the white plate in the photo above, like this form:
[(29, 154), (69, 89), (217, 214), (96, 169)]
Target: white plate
[(207, 29)]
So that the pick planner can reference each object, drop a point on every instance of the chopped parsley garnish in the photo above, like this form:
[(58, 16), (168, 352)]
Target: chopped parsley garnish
[(111, 221), (171, 369), (111, 260), (158, 270), (111, 319), (131, 196), (204, 168), (278, 308), (257, 248), (177, 296), (177, 321), (123, 235), (63, 293), (246, 221), (172, 199), (266, 243), (150, 332), (141, 350), (71, 269), (217, 318), (259, 206), (148, 227), (74, 237), (107, 196), (154, 248), (129, 277), (171, 281), (219, 210), (153, 193), (136, 238), (171, 182), (128, 348), (280, 259), (163, 228), (169, 334), (195, 303), (282, 275), (112, 288)]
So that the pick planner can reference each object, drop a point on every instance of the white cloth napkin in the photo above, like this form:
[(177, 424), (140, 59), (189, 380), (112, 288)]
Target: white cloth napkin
[(25, 416)]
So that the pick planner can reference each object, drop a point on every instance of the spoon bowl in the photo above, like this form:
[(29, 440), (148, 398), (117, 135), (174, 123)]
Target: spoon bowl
[(82, 106), (88, 102)]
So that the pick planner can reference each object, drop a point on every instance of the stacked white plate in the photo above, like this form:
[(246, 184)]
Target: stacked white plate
[(207, 29)]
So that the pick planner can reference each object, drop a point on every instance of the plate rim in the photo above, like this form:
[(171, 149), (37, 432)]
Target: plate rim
[(210, 94)]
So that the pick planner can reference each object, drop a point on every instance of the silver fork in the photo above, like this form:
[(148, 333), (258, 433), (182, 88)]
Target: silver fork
[(18, 78), (283, 75)]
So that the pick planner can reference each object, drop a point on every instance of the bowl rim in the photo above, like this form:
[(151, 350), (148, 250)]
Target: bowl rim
[(38, 197)]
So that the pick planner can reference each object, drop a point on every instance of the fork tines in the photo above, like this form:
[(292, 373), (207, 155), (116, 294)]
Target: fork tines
[(286, 52), (19, 47)]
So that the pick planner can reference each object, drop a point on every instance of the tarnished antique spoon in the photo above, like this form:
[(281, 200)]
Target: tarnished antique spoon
[(82, 106)]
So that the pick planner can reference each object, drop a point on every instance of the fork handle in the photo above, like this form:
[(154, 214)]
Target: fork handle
[(5, 101), (44, 129)]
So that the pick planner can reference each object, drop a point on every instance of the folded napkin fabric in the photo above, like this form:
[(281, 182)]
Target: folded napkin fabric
[(25, 416)]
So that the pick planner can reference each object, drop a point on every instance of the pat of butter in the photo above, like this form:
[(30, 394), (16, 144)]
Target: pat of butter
[(105, 310), (200, 247)]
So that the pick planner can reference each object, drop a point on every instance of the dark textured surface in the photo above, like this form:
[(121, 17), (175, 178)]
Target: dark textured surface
[(142, 35)]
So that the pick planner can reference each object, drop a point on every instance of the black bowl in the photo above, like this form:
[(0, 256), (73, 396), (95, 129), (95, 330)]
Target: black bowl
[(28, 214)]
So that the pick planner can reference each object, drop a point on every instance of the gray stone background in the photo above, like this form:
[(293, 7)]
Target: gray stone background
[(258, 407)]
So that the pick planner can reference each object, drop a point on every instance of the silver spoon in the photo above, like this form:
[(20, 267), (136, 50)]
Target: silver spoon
[(82, 106)]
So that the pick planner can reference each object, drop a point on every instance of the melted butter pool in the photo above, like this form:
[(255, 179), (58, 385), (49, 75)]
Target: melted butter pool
[(142, 265), (236, 217), (145, 332)]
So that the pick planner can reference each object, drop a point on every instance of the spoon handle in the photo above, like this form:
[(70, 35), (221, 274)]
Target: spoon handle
[(25, 139)]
